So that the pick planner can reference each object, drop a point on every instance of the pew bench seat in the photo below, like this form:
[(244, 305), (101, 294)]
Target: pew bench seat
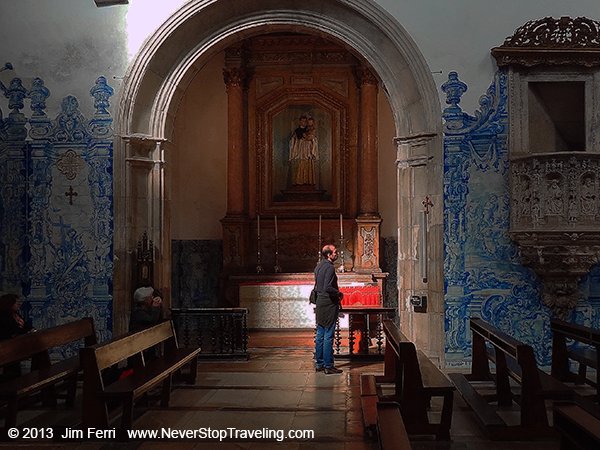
[(513, 360), (45, 375), (147, 373), (390, 427), (37, 380), (368, 401), (579, 429), (416, 380), (144, 379), (586, 355)]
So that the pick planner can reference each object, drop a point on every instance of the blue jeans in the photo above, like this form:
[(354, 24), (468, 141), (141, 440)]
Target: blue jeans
[(324, 346)]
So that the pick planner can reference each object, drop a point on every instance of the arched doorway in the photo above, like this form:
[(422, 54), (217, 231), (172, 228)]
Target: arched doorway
[(168, 61)]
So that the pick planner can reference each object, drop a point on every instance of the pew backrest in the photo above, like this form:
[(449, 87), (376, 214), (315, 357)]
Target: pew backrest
[(497, 337), (394, 336), (120, 348), (37, 343), (576, 332)]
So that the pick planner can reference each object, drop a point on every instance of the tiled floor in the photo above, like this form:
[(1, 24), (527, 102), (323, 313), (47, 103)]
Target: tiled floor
[(277, 389)]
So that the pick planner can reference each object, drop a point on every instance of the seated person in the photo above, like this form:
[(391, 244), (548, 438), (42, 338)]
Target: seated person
[(147, 312), (147, 309), (12, 324)]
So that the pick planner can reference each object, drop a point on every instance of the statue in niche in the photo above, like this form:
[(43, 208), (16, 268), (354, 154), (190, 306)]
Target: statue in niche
[(572, 209), (302, 138), (303, 152), (554, 198), (588, 196)]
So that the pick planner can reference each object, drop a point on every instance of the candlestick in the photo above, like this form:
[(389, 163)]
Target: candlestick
[(341, 252), (319, 228), (277, 267), (341, 269), (259, 268), (320, 239)]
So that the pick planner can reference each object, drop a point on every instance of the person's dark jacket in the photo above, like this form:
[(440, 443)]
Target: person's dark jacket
[(328, 293), (144, 316), (9, 327)]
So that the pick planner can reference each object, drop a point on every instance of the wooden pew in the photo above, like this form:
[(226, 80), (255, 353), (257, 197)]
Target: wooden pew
[(44, 374), (416, 380), (146, 374), (579, 429), (368, 402), (391, 430), (586, 357), (516, 360)]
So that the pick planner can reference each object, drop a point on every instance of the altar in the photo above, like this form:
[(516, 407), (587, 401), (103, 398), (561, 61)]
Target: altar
[(307, 176), (280, 301)]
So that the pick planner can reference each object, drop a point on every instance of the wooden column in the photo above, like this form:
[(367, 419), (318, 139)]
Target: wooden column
[(234, 80), (367, 255), (368, 180), (235, 223)]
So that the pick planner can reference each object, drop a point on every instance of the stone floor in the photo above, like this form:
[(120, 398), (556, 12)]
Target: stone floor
[(276, 389)]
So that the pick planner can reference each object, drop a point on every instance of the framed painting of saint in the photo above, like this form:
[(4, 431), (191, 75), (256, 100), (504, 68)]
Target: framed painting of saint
[(302, 159)]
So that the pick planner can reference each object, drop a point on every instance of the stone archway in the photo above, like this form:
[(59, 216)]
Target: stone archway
[(159, 74)]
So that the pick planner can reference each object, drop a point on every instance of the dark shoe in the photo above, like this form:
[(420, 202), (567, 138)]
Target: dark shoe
[(319, 369), (332, 370)]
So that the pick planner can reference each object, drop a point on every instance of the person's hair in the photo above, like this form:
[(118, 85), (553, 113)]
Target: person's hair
[(7, 301), (141, 294), (327, 250)]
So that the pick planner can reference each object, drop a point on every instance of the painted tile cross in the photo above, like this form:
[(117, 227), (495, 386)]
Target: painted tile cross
[(71, 193)]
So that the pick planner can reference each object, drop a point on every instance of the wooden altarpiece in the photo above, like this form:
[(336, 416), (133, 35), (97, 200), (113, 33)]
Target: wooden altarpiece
[(285, 81)]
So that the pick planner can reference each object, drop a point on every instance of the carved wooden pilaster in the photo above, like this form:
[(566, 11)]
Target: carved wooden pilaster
[(234, 225), (368, 194), (236, 155), (367, 250), (235, 238)]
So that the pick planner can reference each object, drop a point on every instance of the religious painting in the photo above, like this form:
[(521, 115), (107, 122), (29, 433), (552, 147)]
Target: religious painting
[(302, 153)]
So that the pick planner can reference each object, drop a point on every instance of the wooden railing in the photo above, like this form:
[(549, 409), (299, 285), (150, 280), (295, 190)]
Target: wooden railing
[(365, 332), (219, 332)]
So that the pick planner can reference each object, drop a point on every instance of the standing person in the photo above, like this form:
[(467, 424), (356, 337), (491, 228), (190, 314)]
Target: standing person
[(327, 309)]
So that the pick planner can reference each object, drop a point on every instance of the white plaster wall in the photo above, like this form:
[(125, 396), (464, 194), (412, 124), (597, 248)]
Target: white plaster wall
[(69, 43), (198, 161), (459, 34)]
